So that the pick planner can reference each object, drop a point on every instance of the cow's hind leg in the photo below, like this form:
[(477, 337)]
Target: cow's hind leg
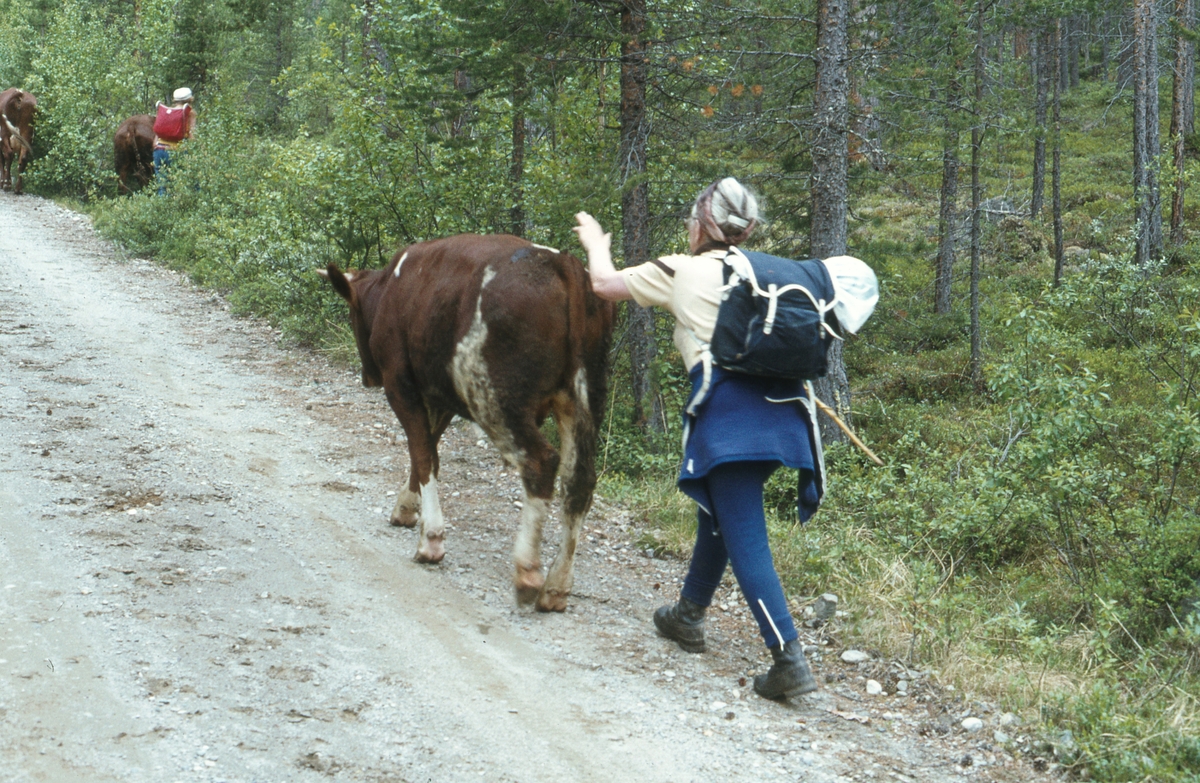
[(538, 463), (420, 501), (578, 473)]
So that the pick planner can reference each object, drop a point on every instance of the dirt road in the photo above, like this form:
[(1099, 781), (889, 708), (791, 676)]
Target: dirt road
[(197, 581)]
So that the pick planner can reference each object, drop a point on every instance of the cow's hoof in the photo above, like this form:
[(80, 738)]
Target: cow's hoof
[(528, 583), (431, 551), (406, 518), (552, 601)]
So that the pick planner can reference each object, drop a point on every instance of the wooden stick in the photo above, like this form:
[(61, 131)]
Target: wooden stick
[(842, 425)]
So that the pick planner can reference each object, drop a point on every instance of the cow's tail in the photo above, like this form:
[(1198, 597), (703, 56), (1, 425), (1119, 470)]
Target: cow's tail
[(589, 333)]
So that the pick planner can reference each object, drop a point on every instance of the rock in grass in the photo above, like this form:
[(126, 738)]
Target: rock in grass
[(826, 607), (855, 656)]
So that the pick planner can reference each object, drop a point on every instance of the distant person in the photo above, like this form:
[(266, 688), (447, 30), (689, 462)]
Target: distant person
[(741, 430), (172, 125)]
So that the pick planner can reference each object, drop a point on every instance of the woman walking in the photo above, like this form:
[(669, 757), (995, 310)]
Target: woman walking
[(742, 430)]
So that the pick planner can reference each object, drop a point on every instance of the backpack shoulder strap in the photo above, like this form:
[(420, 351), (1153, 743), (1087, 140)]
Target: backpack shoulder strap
[(658, 262)]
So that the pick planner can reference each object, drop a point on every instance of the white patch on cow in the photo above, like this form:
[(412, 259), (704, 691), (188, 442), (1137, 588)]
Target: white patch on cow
[(473, 383), (527, 551), (581, 389), (545, 247), (399, 264), (433, 524), (564, 417)]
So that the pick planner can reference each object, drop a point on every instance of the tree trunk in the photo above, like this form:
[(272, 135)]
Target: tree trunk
[(1126, 55), (517, 170), (635, 209), (460, 124), (976, 201), (1064, 59), (1105, 57), (1056, 175), (1074, 42), (948, 213), (1149, 240), (1182, 111), (1042, 70), (830, 176)]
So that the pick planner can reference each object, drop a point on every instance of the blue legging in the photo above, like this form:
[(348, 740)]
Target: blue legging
[(162, 160), (739, 537)]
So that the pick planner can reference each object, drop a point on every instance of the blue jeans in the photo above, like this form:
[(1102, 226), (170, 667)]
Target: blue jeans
[(738, 536), (162, 159)]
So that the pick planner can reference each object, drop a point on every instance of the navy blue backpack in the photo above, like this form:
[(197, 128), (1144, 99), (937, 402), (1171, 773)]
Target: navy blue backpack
[(776, 318)]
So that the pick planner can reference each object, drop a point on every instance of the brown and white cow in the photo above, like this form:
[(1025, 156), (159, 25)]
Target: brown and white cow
[(16, 134), (502, 332), (133, 153)]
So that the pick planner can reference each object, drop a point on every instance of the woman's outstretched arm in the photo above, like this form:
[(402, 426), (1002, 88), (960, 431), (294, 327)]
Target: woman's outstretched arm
[(607, 282)]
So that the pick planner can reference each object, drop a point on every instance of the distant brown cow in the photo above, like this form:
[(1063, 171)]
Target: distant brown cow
[(502, 332), (133, 153), (16, 134)]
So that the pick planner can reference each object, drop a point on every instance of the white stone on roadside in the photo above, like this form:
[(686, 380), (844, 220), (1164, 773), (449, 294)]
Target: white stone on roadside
[(1000, 737), (717, 705), (1009, 719), (972, 724), (85, 591), (855, 656), (874, 688), (902, 687)]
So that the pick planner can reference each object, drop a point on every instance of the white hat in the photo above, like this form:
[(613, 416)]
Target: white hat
[(182, 95), (856, 288)]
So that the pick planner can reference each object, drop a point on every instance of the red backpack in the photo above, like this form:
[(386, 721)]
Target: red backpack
[(171, 124)]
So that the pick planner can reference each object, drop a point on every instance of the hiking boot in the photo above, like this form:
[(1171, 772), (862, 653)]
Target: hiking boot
[(789, 676), (683, 623)]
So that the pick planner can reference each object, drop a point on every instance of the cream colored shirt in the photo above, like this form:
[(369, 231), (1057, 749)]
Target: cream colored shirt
[(692, 296)]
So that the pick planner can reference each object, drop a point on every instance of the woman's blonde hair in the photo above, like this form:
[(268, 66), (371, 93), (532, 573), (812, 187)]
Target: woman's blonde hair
[(727, 211)]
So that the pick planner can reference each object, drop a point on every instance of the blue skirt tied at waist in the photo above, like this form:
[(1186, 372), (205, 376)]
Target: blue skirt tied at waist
[(746, 418)]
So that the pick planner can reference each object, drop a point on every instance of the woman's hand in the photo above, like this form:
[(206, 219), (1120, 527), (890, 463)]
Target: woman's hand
[(607, 282), (591, 236)]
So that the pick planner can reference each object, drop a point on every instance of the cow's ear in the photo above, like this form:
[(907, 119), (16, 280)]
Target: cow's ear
[(339, 281)]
